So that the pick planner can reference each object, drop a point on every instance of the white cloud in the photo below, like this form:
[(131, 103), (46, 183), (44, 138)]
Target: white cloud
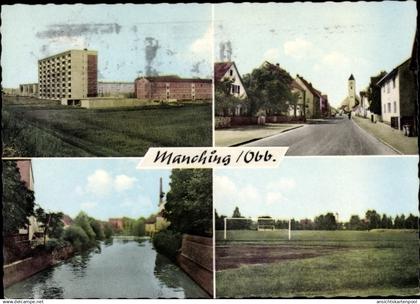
[(297, 48), (272, 55), (274, 198), (88, 205), (99, 183), (282, 184), (204, 44), (124, 182), (336, 59)]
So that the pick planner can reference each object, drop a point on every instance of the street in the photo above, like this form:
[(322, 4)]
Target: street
[(339, 136)]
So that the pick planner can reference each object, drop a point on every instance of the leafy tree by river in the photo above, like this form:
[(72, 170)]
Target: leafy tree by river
[(18, 200)]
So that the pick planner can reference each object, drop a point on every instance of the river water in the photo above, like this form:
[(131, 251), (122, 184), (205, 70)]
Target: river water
[(116, 269)]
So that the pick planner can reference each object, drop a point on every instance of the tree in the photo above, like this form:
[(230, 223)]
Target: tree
[(325, 222), (373, 219), (269, 89), (386, 222), (236, 212), (188, 205), (108, 232), (374, 94), (225, 102), (51, 222), (97, 228), (82, 220), (139, 227), (355, 223), (411, 222), (18, 200)]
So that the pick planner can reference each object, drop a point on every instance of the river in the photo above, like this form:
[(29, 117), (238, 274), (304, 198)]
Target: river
[(118, 268)]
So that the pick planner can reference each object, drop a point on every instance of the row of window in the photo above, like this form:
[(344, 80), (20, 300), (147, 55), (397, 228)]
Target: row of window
[(54, 90), (55, 95), (387, 107), (387, 86), (49, 70), (56, 80), (54, 59)]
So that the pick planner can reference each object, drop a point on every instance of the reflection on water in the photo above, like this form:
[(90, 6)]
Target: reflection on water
[(119, 269)]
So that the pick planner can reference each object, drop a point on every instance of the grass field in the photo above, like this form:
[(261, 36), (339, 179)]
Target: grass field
[(317, 263), (43, 128)]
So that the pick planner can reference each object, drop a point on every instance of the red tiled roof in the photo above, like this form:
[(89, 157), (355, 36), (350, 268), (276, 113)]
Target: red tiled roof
[(309, 86), (220, 69)]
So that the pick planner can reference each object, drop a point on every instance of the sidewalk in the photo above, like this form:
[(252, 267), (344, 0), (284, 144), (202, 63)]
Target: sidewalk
[(388, 135), (245, 134)]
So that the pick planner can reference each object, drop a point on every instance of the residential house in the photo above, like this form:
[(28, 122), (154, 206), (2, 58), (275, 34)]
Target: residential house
[(173, 88), (67, 220), (26, 175), (362, 109), (325, 106), (298, 109), (313, 98), (116, 223), (228, 71), (399, 96)]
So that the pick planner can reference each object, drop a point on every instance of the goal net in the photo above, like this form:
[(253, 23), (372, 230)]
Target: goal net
[(258, 224)]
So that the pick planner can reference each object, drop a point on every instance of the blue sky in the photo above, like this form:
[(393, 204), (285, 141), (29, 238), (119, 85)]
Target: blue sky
[(307, 187), (324, 42), (101, 187), (117, 32)]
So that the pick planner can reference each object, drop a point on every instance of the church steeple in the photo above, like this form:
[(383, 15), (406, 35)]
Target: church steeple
[(352, 91), (351, 77)]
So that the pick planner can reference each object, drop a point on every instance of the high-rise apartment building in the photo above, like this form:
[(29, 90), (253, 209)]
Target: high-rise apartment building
[(68, 76)]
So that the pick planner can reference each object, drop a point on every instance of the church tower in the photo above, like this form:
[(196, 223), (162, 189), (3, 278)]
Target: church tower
[(161, 193), (352, 91)]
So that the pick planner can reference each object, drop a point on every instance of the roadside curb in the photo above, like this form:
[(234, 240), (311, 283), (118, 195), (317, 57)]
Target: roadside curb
[(379, 139), (258, 138)]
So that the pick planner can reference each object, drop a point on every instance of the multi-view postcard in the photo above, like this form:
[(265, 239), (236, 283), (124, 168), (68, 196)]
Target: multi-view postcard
[(113, 115)]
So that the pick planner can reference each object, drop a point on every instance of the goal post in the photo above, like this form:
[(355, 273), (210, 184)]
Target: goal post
[(257, 220)]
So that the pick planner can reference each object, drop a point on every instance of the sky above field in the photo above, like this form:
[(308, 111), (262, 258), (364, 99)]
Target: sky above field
[(103, 188), (303, 187), (323, 42), (178, 39)]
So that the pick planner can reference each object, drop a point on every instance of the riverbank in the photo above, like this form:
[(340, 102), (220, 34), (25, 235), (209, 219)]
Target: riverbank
[(23, 269)]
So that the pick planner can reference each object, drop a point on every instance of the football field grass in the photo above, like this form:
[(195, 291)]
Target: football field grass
[(317, 263)]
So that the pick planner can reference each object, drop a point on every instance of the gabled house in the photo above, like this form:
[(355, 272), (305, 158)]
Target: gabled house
[(313, 98), (298, 109), (228, 71), (399, 96)]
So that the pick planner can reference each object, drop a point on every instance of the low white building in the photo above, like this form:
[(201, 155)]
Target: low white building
[(115, 89), (398, 96)]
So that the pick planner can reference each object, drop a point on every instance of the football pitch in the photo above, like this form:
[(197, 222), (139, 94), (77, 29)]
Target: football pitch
[(253, 263)]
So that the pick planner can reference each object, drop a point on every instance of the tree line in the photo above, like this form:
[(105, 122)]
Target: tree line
[(328, 221)]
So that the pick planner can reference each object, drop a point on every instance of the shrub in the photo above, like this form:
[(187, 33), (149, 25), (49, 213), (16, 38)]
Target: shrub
[(168, 243), (55, 244), (76, 236), (108, 232)]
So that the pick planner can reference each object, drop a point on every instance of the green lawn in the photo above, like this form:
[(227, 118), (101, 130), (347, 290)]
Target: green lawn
[(350, 263), (42, 129)]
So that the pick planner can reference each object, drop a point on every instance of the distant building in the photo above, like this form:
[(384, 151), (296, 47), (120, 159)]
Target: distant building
[(69, 76), (362, 109), (116, 223), (67, 220), (10, 91), (350, 102), (26, 176), (399, 96), (313, 98), (172, 88), (325, 106), (115, 89), (28, 90)]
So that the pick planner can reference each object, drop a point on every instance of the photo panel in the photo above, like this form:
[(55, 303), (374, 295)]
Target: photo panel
[(103, 228)]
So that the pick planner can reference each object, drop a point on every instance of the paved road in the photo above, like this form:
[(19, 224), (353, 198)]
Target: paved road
[(339, 136)]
